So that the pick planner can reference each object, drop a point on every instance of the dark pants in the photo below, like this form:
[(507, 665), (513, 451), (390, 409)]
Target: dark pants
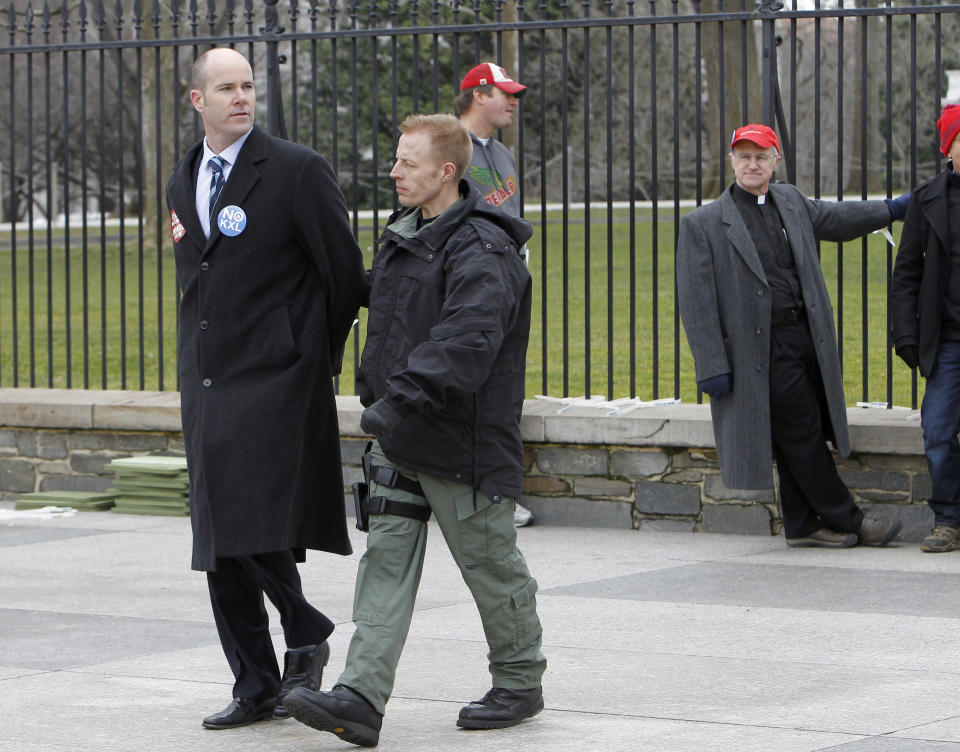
[(237, 588), (811, 492), (940, 414)]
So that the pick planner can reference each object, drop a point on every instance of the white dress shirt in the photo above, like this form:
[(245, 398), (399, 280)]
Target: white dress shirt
[(229, 155)]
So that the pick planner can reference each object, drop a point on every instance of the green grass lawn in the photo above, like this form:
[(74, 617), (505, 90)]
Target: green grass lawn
[(122, 294)]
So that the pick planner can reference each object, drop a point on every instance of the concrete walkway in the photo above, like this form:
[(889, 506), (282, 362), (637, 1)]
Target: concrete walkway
[(670, 642)]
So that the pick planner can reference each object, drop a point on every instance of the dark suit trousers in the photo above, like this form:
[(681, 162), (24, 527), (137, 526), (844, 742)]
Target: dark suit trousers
[(811, 492), (236, 589)]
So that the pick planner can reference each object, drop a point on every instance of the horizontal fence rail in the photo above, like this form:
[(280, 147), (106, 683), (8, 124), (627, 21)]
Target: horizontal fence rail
[(624, 129)]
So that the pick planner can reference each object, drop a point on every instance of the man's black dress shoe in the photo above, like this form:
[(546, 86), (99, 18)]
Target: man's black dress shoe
[(341, 711), (241, 712), (501, 707), (302, 667)]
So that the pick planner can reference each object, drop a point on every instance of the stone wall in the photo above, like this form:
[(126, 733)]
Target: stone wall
[(651, 468)]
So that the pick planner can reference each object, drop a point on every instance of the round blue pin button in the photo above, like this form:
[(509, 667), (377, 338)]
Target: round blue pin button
[(232, 220)]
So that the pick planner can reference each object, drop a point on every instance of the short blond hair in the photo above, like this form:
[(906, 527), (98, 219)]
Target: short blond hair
[(448, 137)]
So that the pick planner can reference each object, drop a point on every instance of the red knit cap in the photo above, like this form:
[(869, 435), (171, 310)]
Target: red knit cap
[(949, 126)]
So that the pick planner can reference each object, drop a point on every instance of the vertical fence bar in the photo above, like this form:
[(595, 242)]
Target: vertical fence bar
[(793, 90), (698, 119), (744, 67), (313, 14), (158, 188), (28, 26), (64, 119), (840, 163), (48, 177), (586, 204), (102, 199), (722, 76), (609, 161), (354, 112), (435, 11), (913, 156), (632, 187), (84, 201), (175, 33), (415, 52), (334, 92), (817, 31), (138, 146), (121, 204), (394, 95), (294, 76), (14, 331), (564, 109), (521, 130), (374, 119), (864, 170), (544, 256), (676, 196), (655, 211), (888, 138)]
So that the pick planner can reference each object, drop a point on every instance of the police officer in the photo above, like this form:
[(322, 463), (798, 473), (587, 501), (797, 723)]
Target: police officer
[(442, 376)]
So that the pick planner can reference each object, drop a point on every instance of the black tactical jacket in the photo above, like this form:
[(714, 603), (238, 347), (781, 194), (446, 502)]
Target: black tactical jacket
[(447, 340)]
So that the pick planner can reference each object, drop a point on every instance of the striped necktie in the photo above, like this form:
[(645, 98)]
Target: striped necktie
[(216, 165)]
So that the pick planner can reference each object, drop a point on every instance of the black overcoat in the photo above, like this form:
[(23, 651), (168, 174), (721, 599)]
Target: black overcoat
[(263, 319), (919, 285)]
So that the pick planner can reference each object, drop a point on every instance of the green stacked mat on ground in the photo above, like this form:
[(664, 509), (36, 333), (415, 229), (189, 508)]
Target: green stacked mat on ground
[(84, 500), (151, 485)]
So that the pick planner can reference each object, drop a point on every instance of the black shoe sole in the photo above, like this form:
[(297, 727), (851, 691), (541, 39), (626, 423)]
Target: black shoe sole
[(266, 716), (321, 720), (481, 724), (849, 542)]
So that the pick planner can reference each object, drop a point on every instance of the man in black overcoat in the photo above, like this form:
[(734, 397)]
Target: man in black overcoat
[(271, 280)]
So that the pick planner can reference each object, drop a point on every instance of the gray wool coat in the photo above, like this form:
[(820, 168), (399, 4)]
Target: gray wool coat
[(725, 306)]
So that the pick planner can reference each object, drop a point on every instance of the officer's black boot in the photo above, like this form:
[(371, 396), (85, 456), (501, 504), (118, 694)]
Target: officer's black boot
[(341, 711), (302, 667), (501, 707)]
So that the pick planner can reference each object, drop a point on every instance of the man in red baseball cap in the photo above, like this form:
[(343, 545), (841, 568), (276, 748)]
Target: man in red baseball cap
[(925, 302), (760, 324), (487, 100)]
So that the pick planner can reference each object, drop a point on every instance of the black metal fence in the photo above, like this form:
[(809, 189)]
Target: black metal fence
[(624, 128)]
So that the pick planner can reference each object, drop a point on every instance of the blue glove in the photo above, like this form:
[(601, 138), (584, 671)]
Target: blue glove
[(897, 207), (379, 419), (717, 386)]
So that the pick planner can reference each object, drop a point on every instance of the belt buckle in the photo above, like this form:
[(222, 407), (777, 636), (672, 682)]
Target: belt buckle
[(376, 505)]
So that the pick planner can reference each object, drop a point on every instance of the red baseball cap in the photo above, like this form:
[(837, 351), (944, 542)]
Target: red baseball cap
[(761, 135), (491, 74)]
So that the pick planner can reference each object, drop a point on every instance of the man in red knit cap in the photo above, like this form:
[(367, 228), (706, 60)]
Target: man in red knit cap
[(925, 298)]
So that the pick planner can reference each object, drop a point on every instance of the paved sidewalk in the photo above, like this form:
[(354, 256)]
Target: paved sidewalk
[(669, 642)]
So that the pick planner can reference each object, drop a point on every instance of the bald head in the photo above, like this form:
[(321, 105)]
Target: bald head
[(217, 54)]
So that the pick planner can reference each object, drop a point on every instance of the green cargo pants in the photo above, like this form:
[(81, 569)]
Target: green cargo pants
[(483, 541)]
